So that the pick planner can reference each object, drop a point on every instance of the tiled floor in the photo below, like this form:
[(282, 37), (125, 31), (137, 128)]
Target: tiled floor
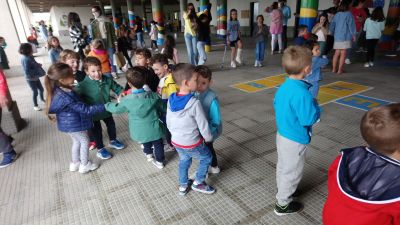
[(39, 189)]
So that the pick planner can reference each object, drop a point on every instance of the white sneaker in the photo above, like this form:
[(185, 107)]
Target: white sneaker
[(149, 157), (159, 165), (233, 64), (366, 64), (73, 167), (37, 108), (238, 60), (371, 64), (214, 170), (347, 61), (260, 64), (88, 167), (142, 146), (256, 63)]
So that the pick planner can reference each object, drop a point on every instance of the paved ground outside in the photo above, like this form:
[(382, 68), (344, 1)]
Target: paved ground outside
[(39, 189)]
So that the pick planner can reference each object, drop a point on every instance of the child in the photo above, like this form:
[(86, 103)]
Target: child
[(33, 71), (317, 64), (303, 35), (54, 49), (144, 109), (363, 182), (72, 58), (189, 128), (296, 112), (95, 89), (373, 28), (233, 38), (98, 50), (203, 36), (209, 101), (260, 34), (73, 116), (170, 50), (123, 45), (321, 30), (276, 26), (153, 35)]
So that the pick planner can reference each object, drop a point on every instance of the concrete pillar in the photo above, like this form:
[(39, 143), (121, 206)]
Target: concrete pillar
[(131, 14), (114, 13), (308, 13), (158, 16), (391, 26), (145, 24), (222, 18), (183, 7)]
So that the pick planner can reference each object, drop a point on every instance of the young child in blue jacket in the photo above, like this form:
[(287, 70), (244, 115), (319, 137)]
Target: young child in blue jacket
[(72, 115), (316, 65), (296, 112), (209, 101)]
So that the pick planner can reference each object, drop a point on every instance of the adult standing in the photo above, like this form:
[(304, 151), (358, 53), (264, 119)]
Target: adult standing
[(102, 28), (276, 26), (287, 14), (139, 32), (43, 31), (76, 33), (359, 15)]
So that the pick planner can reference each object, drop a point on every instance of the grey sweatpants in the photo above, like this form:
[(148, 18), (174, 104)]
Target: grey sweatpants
[(289, 168), (80, 147)]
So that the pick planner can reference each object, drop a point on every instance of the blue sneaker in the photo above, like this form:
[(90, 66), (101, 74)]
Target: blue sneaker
[(116, 144), (203, 188), (103, 154), (8, 159)]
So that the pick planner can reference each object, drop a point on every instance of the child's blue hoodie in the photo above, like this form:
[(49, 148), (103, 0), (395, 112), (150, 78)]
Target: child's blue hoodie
[(295, 110), (315, 76)]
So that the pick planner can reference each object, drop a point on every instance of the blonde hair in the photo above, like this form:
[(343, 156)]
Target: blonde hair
[(68, 54), (295, 59), (98, 44)]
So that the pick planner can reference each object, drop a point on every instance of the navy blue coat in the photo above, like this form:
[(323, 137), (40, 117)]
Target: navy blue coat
[(72, 114)]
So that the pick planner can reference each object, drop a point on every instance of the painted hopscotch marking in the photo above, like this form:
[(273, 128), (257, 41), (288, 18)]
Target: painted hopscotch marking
[(253, 86), (337, 90), (362, 102)]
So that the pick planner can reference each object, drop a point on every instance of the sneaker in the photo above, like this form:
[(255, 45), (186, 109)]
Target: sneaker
[(103, 154), (203, 188), (116, 144), (214, 170), (158, 164), (149, 157), (88, 167), (292, 207), (142, 146), (114, 75), (73, 167), (347, 61), (256, 63), (183, 190), (366, 64), (8, 159), (37, 108), (233, 64), (238, 60), (371, 64), (260, 64), (92, 145)]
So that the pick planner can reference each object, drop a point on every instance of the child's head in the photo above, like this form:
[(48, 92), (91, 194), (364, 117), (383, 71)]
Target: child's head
[(260, 19), (136, 77), (275, 5), (233, 14), (315, 49), (185, 77), (92, 67), (377, 14), (203, 18), (204, 76), (142, 57), (380, 128), (296, 60), (53, 42), (160, 65), (303, 30), (71, 58), (25, 49), (323, 18), (97, 44)]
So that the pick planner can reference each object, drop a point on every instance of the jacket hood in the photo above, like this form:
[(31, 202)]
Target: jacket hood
[(369, 177), (180, 102)]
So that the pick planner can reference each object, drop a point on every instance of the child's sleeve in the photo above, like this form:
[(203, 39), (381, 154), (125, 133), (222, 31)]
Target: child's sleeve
[(117, 89), (332, 26), (307, 110), (83, 108), (321, 62), (215, 118), (202, 122), (115, 107)]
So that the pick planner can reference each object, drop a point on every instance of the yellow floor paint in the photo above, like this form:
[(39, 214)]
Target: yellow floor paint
[(342, 89), (260, 84)]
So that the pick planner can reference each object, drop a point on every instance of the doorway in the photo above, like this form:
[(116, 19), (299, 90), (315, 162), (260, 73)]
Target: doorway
[(254, 12)]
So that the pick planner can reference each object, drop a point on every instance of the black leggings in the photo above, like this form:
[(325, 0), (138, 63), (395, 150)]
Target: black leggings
[(125, 53), (214, 162), (371, 45), (154, 42)]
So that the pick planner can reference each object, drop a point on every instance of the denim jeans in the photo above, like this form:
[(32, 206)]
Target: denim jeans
[(140, 39), (260, 50), (37, 88), (111, 52), (98, 132), (158, 149), (202, 52), (201, 153), (191, 45), (314, 89)]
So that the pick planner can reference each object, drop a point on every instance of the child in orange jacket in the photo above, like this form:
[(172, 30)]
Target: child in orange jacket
[(98, 50)]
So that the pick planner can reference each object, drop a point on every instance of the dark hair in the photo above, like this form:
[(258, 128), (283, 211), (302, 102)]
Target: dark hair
[(302, 27), (203, 71), (162, 59), (323, 15), (380, 128), (56, 72), (191, 5), (203, 16), (25, 49), (310, 44), (169, 46), (98, 9), (90, 61), (356, 2), (50, 46), (343, 6), (260, 16), (73, 19), (377, 14), (143, 52), (275, 5), (136, 76), (181, 72), (230, 13)]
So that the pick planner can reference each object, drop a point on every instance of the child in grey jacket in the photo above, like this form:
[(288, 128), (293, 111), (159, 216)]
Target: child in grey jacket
[(189, 129)]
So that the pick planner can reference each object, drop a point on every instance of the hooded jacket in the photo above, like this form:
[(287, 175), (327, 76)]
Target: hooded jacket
[(187, 122), (363, 189)]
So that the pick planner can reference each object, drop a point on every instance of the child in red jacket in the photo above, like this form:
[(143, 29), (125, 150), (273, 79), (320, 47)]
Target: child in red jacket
[(364, 182)]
